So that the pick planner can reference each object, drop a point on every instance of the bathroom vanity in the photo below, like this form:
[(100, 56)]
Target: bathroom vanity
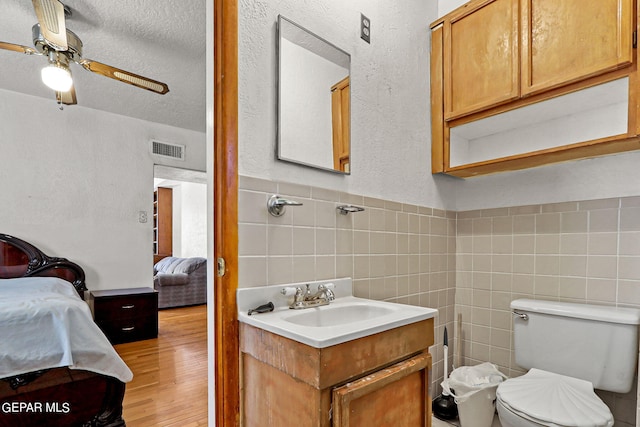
[(360, 378)]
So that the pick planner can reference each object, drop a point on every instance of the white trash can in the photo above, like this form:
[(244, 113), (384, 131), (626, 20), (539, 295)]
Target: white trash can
[(474, 391)]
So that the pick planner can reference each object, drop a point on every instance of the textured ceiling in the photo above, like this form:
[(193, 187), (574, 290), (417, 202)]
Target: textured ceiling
[(160, 39)]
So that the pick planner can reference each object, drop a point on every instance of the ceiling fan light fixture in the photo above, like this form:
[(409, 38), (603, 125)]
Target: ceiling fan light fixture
[(57, 76)]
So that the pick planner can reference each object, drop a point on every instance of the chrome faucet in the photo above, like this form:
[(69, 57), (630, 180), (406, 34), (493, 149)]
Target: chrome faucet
[(304, 298)]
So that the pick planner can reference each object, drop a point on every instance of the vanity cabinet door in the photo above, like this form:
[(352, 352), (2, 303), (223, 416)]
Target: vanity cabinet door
[(396, 396), (571, 40), (481, 57)]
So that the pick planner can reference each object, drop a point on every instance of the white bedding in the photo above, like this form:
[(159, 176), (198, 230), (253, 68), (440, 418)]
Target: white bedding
[(45, 324)]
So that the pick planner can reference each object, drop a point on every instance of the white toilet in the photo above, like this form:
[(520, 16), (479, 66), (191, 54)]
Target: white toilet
[(569, 349)]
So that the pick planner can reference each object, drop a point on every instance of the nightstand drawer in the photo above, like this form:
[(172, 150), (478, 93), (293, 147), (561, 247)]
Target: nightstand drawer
[(127, 330), (124, 307)]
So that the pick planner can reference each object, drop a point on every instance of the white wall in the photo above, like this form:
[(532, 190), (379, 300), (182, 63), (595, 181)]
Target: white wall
[(73, 181), (189, 220), (590, 179), (390, 114), (389, 93), (446, 6)]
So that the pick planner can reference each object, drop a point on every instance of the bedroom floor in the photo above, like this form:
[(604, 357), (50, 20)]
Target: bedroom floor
[(169, 386)]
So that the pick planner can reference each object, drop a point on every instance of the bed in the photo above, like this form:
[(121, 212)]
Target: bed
[(56, 366)]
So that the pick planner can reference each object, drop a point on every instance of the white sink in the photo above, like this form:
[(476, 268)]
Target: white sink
[(334, 315), (344, 319)]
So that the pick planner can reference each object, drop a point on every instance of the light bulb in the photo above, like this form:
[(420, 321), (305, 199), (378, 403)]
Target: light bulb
[(57, 77)]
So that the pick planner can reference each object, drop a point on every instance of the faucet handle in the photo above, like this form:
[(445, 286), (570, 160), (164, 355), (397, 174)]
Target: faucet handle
[(289, 291), (327, 288), (297, 293)]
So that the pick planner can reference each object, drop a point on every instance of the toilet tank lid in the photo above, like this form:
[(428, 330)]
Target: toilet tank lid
[(602, 313)]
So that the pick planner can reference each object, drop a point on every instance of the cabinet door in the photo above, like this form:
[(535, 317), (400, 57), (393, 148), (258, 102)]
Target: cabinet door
[(397, 396), (570, 40), (481, 57)]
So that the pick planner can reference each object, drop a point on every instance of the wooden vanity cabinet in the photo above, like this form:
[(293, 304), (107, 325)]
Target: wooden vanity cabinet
[(379, 380), (493, 56)]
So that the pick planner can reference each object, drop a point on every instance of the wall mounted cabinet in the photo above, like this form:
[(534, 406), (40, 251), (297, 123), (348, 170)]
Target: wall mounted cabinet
[(492, 58)]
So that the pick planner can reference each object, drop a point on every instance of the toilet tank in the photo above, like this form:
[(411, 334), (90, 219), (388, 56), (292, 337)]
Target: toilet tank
[(592, 342)]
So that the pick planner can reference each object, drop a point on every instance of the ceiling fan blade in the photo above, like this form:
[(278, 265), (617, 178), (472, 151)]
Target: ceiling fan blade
[(125, 76), (19, 48), (50, 15), (67, 98)]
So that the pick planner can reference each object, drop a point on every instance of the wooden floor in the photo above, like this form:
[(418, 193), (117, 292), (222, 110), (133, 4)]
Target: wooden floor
[(169, 386)]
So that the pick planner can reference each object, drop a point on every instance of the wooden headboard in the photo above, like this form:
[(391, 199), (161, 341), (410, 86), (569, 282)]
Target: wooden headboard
[(21, 259)]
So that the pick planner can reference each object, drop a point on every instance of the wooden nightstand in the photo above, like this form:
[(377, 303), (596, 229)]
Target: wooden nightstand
[(126, 315)]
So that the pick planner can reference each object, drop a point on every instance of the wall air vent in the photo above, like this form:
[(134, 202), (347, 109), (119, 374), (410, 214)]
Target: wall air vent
[(165, 149)]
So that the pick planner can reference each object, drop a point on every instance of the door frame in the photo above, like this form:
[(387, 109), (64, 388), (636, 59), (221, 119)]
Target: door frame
[(225, 221)]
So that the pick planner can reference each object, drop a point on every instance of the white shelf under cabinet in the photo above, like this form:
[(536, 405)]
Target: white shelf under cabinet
[(597, 112)]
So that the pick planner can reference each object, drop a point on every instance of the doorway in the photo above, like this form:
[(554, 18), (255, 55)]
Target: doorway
[(184, 208)]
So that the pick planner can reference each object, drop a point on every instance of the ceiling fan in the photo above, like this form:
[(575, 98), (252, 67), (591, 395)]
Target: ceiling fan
[(61, 46)]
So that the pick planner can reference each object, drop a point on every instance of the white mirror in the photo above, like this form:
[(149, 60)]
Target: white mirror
[(313, 100)]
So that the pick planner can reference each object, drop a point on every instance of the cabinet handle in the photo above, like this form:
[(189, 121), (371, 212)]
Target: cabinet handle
[(128, 306), (130, 328)]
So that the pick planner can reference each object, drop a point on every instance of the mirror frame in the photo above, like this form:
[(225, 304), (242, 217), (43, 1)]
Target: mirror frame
[(279, 155)]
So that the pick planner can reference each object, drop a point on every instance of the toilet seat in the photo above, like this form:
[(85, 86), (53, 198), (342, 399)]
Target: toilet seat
[(547, 398)]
